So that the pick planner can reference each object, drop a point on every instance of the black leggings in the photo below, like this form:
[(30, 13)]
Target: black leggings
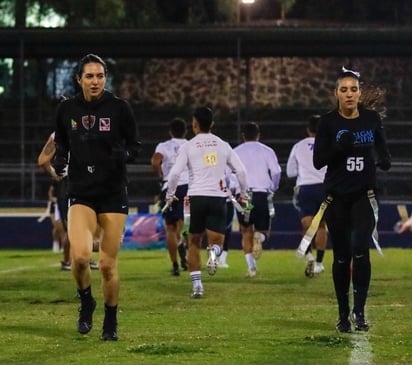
[(351, 221)]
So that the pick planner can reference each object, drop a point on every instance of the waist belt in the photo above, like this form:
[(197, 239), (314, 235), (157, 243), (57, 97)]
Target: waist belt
[(375, 208), (310, 233)]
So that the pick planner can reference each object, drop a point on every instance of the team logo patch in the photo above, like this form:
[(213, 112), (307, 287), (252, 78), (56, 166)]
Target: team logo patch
[(88, 121), (104, 124), (73, 124)]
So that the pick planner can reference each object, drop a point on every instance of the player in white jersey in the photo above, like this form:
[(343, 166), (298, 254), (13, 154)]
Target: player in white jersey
[(263, 173), (162, 162), (206, 156), (309, 193)]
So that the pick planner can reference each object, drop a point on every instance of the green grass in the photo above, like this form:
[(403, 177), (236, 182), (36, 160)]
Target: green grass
[(278, 317)]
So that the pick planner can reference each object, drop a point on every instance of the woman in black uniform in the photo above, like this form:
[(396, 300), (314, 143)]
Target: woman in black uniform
[(348, 141), (96, 135)]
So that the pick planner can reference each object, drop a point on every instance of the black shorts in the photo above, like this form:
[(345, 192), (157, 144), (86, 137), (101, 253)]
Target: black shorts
[(175, 212), (259, 216), (112, 203), (62, 200), (207, 212)]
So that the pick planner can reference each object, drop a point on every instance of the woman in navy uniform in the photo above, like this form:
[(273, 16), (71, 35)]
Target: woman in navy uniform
[(348, 140)]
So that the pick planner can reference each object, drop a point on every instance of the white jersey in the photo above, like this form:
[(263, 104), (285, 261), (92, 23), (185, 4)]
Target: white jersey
[(169, 150), (262, 166), (300, 164), (207, 156)]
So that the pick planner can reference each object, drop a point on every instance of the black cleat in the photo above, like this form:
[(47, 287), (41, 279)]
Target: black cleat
[(109, 336), (182, 254), (175, 269), (109, 332), (359, 322), (183, 265), (343, 326), (85, 323)]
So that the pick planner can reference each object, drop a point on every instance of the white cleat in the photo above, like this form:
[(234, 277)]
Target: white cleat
[(318, 268), (310, 269), (251, 273), (212, 261), (222, 265), (197, 292)]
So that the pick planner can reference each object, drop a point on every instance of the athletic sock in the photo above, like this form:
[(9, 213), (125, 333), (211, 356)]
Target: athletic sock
[(250, 260), (85, 295), (217, 249), (319, 255), (196, 278), (110, 319), (110, 312), (223, 256), (359, 299)]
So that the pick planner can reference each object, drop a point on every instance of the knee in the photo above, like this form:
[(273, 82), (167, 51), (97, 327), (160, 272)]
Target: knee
[(361, 257), (107, 269), (80, 262)]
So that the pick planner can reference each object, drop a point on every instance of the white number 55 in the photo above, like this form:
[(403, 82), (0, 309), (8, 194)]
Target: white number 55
[(354, 164)]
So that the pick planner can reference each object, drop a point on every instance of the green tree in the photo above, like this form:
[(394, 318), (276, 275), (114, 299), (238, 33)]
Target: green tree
[(285, 7)]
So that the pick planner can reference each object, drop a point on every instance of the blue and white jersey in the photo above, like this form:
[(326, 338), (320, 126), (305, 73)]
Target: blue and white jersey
[(300, 164)]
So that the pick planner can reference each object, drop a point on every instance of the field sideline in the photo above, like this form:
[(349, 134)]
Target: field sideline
[(278, 317)]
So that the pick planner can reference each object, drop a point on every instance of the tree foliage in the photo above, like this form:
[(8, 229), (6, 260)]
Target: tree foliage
[(155, 13)]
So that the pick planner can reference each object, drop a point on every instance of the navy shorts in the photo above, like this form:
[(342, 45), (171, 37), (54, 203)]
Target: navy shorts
[(111, 203), (308, 199)]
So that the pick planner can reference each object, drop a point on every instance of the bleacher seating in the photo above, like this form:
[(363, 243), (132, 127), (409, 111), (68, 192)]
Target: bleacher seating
[(279, 129)]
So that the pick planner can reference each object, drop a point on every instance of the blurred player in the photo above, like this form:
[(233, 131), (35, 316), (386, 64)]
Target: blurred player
[(162, 162), (309, 193), (263, 174)]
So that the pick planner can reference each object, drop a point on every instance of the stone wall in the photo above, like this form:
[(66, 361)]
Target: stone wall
[(257, 83)]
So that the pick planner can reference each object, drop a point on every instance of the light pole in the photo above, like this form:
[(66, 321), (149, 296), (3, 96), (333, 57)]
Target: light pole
[(239, 59), (238, 4)]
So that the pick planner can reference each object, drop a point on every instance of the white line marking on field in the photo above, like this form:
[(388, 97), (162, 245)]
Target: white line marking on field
[(16, 269), (23, 268), (361, 353)]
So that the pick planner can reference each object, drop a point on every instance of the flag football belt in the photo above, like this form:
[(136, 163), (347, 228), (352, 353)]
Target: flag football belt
[(311, 231)]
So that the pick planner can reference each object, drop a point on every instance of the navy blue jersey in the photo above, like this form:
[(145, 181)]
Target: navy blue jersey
[(97, 137), (351, 170)]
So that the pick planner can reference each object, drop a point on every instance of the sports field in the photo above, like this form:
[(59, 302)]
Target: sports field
[(278, 317)]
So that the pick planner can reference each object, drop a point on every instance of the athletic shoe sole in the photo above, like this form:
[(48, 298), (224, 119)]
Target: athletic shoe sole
[(197, 292), (211, 262), (257, 246)]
